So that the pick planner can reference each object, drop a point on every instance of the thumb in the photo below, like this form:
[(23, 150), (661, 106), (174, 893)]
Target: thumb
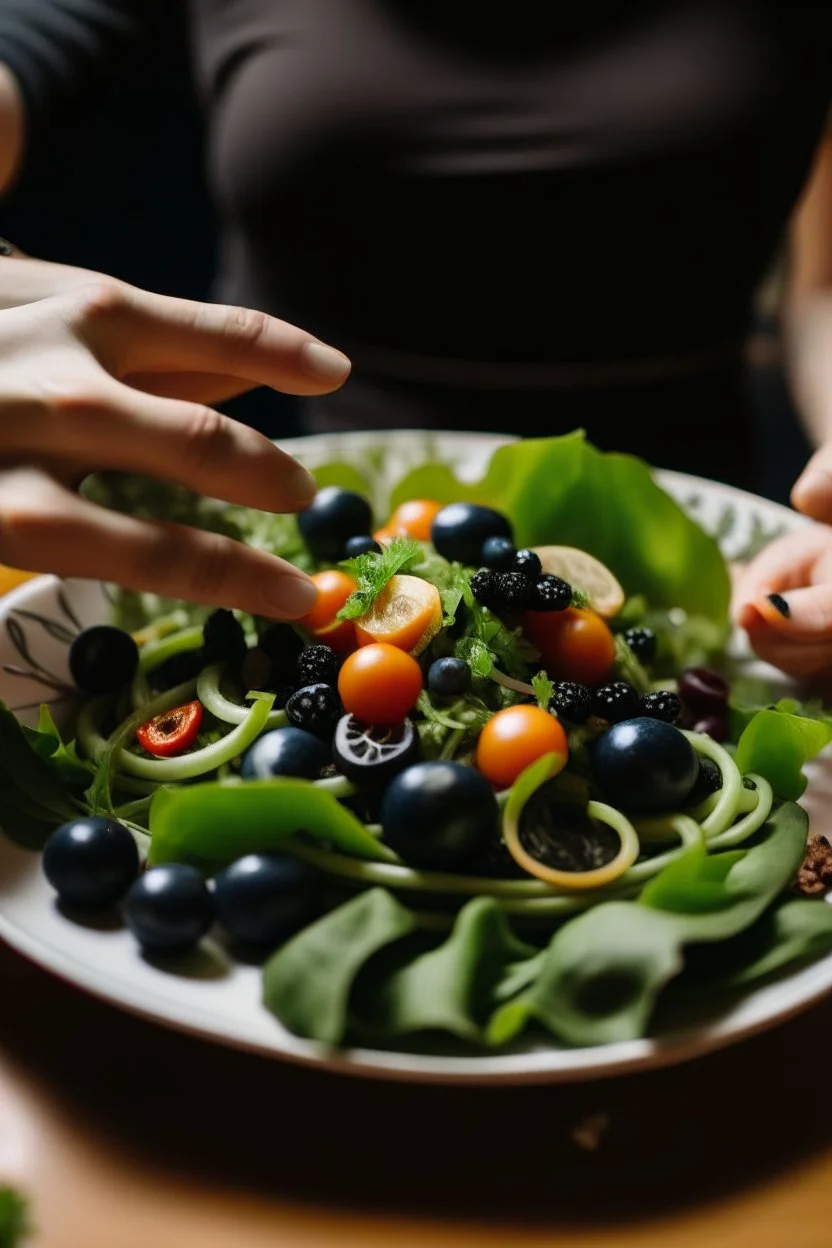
[(801, 615), (812, 492)]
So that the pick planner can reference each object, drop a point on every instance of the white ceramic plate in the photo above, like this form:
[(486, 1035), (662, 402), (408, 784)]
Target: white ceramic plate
[(209, 994)]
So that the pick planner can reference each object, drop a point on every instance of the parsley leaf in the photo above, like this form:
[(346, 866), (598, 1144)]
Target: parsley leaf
[(373, 571), (544, 690)]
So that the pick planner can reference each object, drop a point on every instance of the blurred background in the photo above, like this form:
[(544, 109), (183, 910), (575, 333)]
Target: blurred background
[(121, 189)]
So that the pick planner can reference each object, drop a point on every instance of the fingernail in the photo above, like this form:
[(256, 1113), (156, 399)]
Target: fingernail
[(288, 597), (300, 484), (325, 363), (779, 603), (814, 486)]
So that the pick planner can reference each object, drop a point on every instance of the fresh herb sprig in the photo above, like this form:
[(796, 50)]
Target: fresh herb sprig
[(373, 571)]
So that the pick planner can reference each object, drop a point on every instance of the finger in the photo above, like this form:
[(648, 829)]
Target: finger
[(784, 564), (802, 615), (139, 332), (45, 528), (195, 387), (106, 425), (796, 658), (812, 492)]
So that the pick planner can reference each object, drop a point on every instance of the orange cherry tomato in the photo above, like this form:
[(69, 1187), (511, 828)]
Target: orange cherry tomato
[(515, 738), (172, 731), (414, 518), (576, 644), (334, 588), (379, 684)]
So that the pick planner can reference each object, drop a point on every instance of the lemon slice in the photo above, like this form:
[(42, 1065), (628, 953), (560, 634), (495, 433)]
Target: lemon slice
[(603, 592)]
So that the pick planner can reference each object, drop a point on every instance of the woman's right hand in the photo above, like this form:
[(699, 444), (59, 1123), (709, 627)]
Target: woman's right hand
[(94, 375)]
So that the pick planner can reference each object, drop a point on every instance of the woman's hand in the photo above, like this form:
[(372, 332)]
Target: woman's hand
[(783, 600), (95, 374)]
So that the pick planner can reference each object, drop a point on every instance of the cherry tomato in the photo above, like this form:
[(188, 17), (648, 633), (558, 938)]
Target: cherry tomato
[(515, 738), (379, 684), (334, 588), (576, 644), (172, 731), (414, 518)]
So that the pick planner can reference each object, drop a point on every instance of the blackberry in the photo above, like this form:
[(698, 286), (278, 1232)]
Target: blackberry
[(527, 562), (571, 701), (283, 646), (513, 591), (615, 702), (663, 705), (498, 553), (223, 638), (550, 593), (484, 587), (318, 665), (643, 643), (316, 708)]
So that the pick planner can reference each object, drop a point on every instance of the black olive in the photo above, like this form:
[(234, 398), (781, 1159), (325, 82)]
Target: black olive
[(372, 754)]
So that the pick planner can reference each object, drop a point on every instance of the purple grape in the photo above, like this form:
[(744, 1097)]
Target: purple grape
[(713, 726), (703, 691)]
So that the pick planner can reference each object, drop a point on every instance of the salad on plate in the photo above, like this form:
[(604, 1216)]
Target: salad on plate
[(506, 777)]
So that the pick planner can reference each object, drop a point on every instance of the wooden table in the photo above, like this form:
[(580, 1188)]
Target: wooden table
[(127, 1135)]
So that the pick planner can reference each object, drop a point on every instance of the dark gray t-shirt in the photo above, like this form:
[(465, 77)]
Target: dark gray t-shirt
[(504, 228)]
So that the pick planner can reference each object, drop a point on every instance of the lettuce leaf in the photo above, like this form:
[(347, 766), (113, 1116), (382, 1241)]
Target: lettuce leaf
[(777, 743), (563, 489)]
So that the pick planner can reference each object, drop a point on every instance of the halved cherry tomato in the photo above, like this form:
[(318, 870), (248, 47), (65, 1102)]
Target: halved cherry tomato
[(576, 644), (515, 738), (407, 613), (172, 731), (379, 684), (334, 588), (414, 518)]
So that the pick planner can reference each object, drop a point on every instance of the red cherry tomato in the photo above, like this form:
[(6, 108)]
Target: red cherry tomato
[(379, 684), (576, 644), (172, 731), (515, 738)]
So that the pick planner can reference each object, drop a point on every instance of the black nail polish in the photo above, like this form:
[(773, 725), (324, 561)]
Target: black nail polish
[(779, 603)]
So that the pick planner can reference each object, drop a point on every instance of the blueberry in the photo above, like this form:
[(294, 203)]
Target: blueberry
[(448, 678), (262, 899), (527, 562), (102, 659), (169, 909), (498, 553), (286, 752), (439, 815), (644, 765), (91, 862), (334, 516), (460, 530), (362, 544), (315, 708)]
